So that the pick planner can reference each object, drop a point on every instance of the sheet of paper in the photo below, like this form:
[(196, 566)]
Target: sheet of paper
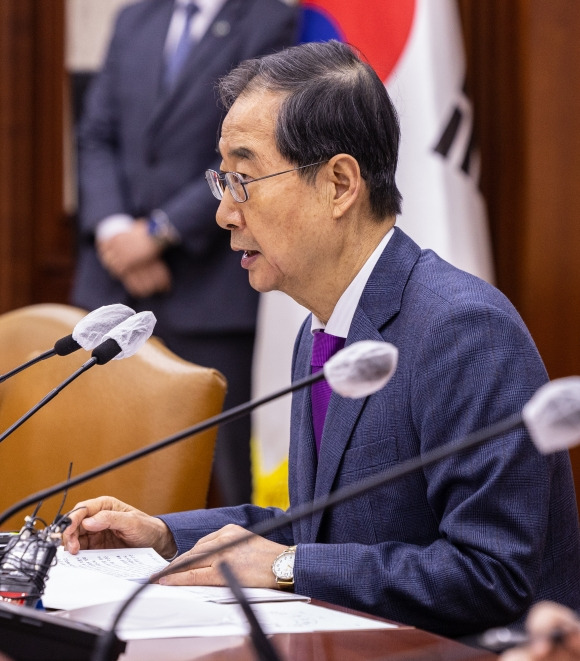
[(66, 588), (254, 595), (128, 564), (131, 564), (89, 588), (94, 577), (161, 616)]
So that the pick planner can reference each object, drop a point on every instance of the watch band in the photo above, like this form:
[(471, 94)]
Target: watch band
[(159, 227)]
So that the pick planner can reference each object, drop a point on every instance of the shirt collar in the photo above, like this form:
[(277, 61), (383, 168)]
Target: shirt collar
[(341, 317)]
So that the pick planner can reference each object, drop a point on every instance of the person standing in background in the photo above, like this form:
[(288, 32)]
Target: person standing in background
[(147, 231)]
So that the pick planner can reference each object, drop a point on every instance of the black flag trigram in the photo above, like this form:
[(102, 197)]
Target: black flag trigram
[(457, 142)]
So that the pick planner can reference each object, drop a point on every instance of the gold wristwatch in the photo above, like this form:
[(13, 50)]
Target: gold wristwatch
[(283, 568)]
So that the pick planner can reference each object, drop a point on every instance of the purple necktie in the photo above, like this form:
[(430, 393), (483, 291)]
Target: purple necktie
[(324, 346)]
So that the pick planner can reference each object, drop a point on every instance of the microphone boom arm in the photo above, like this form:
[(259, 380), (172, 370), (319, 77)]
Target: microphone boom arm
[(51, 395), (32, 361)]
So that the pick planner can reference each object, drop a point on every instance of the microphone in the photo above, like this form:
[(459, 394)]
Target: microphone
[(500, 639), (361, 368), (552, 415), (125, 339), (87, 334), (122, 341)]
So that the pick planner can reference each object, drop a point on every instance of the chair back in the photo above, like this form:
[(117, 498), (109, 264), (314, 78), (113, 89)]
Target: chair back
[(107, 412)]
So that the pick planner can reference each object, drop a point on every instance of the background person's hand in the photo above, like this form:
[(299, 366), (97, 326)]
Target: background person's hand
[(126, 250), (554, 635), (147, 279), (108, 523)]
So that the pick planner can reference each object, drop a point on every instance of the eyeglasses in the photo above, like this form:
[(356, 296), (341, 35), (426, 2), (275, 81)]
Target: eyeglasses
[(236, 184)]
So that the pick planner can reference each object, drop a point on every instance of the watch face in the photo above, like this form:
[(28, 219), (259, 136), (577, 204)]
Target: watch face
[(284, 566)]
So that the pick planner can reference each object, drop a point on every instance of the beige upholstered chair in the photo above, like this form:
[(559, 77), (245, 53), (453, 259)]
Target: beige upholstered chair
[(106, 412)]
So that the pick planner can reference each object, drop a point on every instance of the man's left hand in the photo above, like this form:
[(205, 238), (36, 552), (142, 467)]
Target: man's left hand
[(250, 560)]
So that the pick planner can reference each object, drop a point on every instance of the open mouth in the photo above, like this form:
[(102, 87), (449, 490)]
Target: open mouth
[(250, 253)]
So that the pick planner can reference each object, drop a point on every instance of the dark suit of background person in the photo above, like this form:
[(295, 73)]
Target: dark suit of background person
[(143, 149)]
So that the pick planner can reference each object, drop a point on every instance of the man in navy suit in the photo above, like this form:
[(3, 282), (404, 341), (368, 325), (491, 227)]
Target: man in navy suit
[(307, 187), (148, 236)]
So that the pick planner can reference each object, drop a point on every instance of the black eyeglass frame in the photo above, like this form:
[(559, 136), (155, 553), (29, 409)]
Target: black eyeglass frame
[(216, 181)]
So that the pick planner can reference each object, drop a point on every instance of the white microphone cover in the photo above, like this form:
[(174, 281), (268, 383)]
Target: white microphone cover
[(132, 333), (91, 329), (552, 416), (361, 368)]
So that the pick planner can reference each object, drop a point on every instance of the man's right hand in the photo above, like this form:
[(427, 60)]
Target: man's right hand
[(108, 523), (147, 279)]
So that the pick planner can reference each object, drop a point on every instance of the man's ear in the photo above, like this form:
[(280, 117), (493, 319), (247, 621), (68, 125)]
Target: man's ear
[(346, 179)]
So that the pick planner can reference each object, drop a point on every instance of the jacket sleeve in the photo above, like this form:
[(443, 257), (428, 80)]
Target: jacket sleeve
[(100, 187), (188, 527)]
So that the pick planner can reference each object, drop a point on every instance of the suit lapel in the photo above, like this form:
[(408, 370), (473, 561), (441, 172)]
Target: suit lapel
[(147, 57), (303, 453), (380, 302)]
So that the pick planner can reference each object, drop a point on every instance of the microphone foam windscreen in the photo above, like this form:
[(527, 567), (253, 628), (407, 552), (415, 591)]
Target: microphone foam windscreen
[(66, 345), (106, 351), (361, 368), (90, 330), (132, 333), (552, 416)]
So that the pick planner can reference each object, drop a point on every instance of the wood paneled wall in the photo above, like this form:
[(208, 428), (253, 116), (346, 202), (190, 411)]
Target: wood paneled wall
[(525, 81), (36, 255)]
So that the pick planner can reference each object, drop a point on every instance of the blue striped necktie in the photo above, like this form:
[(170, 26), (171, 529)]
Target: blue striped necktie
[(176, 59)]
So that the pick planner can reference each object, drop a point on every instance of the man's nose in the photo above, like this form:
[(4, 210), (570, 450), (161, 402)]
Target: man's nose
[(229, 214)]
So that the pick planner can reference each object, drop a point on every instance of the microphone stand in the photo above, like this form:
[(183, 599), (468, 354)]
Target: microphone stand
[(262, 645), (101, 355), (32, 361), (51, 395), (76, 640)]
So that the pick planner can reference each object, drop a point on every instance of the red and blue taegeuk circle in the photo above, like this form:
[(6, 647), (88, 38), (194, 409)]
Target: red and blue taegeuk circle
[(379, 29)]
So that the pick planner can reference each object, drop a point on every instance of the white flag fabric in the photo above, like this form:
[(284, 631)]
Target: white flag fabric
[(438, 165), (416, 48)]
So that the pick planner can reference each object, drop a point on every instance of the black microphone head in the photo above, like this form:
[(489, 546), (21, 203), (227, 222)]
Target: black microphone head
[(106, 351), (66, 345)]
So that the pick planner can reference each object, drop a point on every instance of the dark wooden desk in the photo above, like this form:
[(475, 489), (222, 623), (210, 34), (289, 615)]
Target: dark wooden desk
[(402, 644)]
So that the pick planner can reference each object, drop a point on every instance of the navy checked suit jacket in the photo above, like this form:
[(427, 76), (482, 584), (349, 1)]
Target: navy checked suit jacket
[(469, 542), (140, 150)]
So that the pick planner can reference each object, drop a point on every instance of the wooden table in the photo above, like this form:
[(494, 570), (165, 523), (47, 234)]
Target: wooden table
[(402, 644)]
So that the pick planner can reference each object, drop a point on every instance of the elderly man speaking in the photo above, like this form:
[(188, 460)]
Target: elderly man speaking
[(307, 188)]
